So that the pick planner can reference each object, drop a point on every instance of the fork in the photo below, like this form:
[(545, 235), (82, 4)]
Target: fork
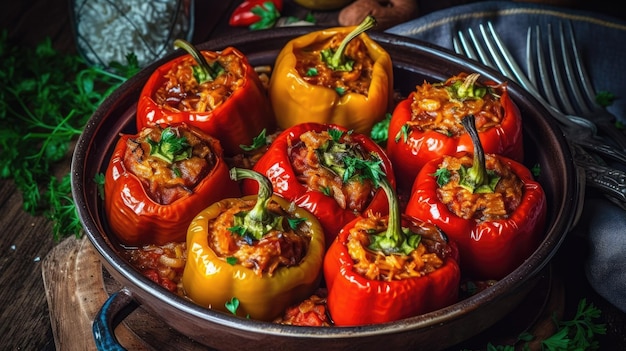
[(493, 53), (580, 85), (580, 132)]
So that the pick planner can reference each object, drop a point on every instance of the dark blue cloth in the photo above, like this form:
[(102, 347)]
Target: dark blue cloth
[(602, 42)]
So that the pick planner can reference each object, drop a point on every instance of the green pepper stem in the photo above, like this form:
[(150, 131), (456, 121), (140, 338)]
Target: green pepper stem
[(395, 239), (338, 57), (258, 220), (477, 179), (394, 225), (477, 175), (206, 71)]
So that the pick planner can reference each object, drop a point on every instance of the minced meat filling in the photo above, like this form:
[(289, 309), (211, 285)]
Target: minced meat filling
[(433, 109), (311, 68), (164, 182), (481, 207), (375, 265), (181, 91), (275, 249), (354, 194)]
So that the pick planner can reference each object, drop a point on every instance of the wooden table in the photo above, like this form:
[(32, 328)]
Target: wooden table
[(26, 241)]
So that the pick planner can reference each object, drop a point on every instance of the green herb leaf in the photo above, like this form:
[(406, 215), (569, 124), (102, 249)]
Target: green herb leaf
[(380, 130), (443, 176), (258, 142), (46, 98), (605, 98), (171, 147), (295, 222), (232, 305)]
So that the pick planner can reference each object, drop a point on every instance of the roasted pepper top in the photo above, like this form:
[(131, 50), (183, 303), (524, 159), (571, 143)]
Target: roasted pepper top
[(277, 248), (481, 206), (218, 92), (316, 80), (427, 124), (169, 162), (181, 91), (441, 106), (331, 162), (314, 70), (427, 257)]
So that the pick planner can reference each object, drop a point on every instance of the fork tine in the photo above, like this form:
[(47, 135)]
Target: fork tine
[(504, 59), (567, 63), (472, 48), (544, 76), (585, 82)]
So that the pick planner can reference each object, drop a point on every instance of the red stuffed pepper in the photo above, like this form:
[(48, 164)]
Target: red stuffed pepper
[(385, 268), (427, 124), (327, 170), (159, 179), (489, 204), (218, 92)]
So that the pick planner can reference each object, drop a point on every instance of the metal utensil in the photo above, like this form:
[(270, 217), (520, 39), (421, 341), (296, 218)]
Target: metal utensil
[(575, 94), (581, 132)]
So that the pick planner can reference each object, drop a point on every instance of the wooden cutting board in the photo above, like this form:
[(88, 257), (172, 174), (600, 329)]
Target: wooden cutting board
[(77, 286)]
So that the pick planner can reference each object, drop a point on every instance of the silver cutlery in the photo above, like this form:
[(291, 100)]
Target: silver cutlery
[(581, 132), (582, 101)]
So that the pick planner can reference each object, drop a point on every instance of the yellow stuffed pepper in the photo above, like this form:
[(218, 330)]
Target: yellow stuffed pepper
[(337, 75), (253, 256)]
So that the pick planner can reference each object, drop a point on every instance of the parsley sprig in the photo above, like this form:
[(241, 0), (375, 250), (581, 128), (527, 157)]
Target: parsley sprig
[(46, 98), (579, 333)]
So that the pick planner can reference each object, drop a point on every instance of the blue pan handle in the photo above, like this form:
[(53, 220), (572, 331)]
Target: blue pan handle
[(112, 312)]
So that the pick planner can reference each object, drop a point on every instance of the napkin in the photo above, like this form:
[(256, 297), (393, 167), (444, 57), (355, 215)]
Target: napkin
[(602, 42)]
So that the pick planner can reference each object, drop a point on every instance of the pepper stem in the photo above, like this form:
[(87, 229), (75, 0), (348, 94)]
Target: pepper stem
[(204, 72), (258, 221), (395, 239), (476, 178), (337, 60)]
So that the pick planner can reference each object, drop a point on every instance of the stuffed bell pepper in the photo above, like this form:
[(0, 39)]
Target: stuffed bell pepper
[(489, 204), (337, 75), (253, 256), (218, 92), (385, 268), (327, 170), (427, 124), (158, 179)]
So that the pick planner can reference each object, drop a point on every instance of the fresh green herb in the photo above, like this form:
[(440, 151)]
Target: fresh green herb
[(231, 260), (258, 142), (536, 170), (341, 91), (325, 190), (232, 305), (443, 176), (365, 169), (312, 72), (574, 335), (335, 134), (99, 180), (403, 133), (380, 130), (295, 222), (171, 147), (46, 98), (605, 98)]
